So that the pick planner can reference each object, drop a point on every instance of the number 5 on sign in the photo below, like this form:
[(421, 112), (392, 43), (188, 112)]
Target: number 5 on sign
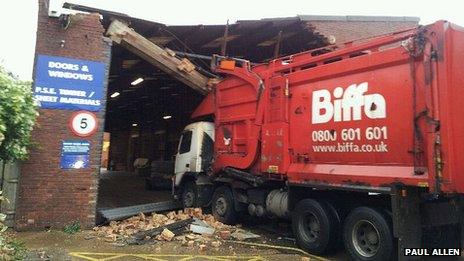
[(83, 123)]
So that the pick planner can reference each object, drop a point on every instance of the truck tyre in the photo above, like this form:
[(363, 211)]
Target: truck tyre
[(368, 235), (223, 206), (315, 226), (189, 195), (336, 242)]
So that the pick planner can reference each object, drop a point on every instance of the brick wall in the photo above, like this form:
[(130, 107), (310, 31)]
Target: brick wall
[(49, 196), (105, 150), (346, 31)]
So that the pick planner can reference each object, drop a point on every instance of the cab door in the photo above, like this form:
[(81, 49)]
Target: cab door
[(184, 152)]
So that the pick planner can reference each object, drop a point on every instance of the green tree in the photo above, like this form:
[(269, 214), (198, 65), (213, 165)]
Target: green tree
[(17, 116)]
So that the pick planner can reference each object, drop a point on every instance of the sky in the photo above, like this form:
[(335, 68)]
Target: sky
[(18, 18)]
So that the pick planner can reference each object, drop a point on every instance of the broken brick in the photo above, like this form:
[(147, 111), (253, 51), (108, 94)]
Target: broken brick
[(224, 234), (167, 235), (216, 244), (202, 247), (124, 229)]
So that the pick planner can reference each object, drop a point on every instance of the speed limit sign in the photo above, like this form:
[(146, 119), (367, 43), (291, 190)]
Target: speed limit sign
[(83, 123)]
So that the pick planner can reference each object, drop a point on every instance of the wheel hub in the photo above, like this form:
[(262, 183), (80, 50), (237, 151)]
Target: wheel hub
[(313, 227), (188, 199), (372, 237), (221, 206), (365, 238)]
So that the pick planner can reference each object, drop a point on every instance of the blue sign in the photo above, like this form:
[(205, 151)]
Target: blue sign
[(69, 84), (75, 154)]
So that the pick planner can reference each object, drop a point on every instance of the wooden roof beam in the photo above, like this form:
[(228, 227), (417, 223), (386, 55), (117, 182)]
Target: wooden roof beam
[(164, 59)]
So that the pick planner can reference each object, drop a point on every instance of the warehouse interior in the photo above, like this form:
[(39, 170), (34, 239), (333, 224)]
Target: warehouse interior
[(147, 108), (145, 119)]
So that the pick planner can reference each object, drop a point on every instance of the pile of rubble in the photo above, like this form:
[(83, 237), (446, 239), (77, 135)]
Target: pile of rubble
[(189, 226)]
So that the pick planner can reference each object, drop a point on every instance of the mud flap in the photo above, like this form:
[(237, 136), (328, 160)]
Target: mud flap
[(461, 222), (407, 227)]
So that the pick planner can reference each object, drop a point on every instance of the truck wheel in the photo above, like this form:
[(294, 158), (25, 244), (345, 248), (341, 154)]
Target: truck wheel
[(223, 206), (315, 227), (336, 242), (189, 195), (367, 235)]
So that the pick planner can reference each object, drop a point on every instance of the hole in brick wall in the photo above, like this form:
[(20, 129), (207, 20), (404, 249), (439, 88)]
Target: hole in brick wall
[(147, 109)]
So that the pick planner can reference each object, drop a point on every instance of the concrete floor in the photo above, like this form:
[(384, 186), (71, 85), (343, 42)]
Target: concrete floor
[(122, 189)]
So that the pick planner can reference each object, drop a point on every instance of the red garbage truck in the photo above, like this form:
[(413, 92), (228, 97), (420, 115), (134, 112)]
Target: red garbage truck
[(360, 145)]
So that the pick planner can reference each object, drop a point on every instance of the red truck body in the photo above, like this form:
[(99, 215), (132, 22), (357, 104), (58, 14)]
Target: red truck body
[(366, 115)]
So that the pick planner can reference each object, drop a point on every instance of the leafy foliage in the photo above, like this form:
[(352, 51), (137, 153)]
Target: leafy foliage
[(17, 116), (10, 249), (72, 228)]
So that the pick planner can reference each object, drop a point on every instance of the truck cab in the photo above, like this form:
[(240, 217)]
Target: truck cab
[(193, 159)]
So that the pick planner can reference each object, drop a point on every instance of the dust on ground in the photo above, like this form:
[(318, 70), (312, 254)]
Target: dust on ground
[(56, 245)]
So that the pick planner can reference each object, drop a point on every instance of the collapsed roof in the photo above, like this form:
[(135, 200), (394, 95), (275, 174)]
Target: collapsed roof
[(255, 40)]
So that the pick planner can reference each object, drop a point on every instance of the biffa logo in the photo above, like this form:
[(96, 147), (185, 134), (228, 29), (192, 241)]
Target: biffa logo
[(347, 105)]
